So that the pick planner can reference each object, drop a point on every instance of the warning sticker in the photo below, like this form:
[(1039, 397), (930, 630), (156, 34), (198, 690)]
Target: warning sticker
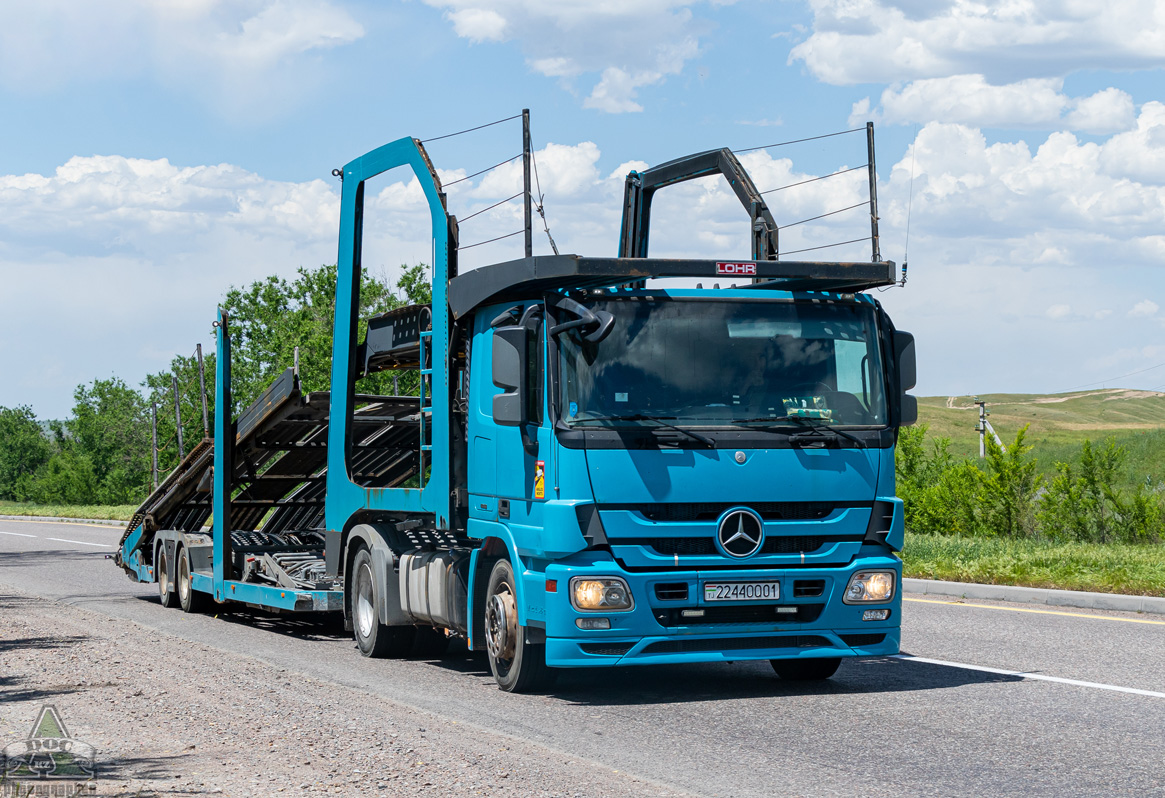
[(540, 480)]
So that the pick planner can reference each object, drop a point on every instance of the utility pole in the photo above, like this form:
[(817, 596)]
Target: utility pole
[(202, 388), (526, 182), (984, 427), (178, 419), (154, 439)]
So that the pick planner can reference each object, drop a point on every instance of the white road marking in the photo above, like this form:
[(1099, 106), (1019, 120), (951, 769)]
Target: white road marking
[(1026, 675), (17, 535), (81, 543)]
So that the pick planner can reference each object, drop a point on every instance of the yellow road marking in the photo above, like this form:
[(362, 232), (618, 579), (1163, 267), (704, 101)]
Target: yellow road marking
[(1038, 612)]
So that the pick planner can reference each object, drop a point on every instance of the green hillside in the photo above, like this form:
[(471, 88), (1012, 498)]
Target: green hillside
[(1059, 423)]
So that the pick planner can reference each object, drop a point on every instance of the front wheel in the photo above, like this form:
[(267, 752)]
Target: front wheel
[(517, 666), (806, 670), (373, 638)]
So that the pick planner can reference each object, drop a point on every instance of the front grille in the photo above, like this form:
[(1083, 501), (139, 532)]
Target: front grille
[(706, 546), (606, 649), (735, 644), (686, 546), (862, 640), (808, 588), (766, 613), (672, 591), (709, 511)]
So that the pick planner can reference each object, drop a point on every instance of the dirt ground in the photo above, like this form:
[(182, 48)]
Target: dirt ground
[(236, 726)]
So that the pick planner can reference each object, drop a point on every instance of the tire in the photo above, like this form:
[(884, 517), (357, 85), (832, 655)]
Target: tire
[(166, 591), (430, 643), (806, 670), (517, 666), (188, 598), (373, 638)]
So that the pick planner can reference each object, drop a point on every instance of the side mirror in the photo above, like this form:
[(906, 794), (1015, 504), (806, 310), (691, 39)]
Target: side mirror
[(904, 355), (907, 410), (907, 377), (511, 358)]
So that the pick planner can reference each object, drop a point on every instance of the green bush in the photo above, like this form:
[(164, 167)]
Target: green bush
[(1006, 497)]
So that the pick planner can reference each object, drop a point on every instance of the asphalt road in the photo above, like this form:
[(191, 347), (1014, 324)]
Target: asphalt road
[(1088, 720)]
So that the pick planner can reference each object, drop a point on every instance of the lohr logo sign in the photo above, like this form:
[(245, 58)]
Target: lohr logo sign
[(736, 269)]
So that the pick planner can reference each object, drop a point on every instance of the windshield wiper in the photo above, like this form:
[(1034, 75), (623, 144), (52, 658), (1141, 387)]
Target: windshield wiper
[(658, 420), (813, 427)]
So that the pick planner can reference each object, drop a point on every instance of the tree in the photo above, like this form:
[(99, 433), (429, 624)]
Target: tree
[(110, 430), (25, 449), (271, 317)]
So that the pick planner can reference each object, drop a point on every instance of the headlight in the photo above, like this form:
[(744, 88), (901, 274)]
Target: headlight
[(600, 594), (869, 586)]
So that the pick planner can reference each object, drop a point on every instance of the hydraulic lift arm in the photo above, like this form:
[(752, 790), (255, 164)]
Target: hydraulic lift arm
[(641, 187)]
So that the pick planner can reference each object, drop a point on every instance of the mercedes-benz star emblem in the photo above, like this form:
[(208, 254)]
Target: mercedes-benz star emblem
[(741, 533)]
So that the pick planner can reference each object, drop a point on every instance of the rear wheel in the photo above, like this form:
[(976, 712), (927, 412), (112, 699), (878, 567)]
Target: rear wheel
[(189, 598), (166, 590), (373, 638), (517, 666), (806, 670)]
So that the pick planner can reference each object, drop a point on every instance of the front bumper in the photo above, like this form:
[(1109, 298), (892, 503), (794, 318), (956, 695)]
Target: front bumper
[(656, 631)]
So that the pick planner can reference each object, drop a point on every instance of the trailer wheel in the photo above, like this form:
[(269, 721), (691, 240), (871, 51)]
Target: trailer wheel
[(806, 670), (166, 591), (430, 643), (517, 666), (373, 638), (189, 598)]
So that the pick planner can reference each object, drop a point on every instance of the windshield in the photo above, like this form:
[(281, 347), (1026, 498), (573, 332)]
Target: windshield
[(725, 362)]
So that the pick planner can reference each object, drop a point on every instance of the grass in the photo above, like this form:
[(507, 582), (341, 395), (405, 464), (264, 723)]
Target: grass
[(1107, 568), (91, 511), (1058, 424)]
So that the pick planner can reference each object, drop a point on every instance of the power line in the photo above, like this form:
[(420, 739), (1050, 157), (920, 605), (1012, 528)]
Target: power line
[(815, 179), (491, 240), (822, 216), (1121, 377), (483, 171), (827, 246), (490, 208), (798, 141), (470, 129)]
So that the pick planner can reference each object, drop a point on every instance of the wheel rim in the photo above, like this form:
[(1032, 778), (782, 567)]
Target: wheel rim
[(501, 626), (365, 608), (183, 579), (164, 575)]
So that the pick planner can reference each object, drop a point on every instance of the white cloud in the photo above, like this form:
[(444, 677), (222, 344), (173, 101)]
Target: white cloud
[(1057, 312), (971, 100), (627, 45), (240, 56), (478, 24), (883, 41), (1144, 308)]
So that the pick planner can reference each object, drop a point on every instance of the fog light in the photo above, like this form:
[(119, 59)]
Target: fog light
[(600, 594), (593, 623), (869, 586), (875, 615), (692, 613)]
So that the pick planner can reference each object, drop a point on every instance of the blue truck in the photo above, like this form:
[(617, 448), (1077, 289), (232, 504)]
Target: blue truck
[(595, 470)]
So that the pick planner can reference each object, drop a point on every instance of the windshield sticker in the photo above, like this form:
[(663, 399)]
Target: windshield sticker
[(573, 409), (620, 397)]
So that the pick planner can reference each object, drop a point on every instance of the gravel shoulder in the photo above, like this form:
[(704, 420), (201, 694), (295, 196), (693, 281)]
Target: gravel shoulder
[(175, 718)]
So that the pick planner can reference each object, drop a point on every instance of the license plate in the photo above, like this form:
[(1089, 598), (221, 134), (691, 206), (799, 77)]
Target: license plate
[(742, 591)]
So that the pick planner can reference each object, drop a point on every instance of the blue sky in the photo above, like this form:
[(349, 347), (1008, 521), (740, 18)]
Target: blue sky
[(154, 154)]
